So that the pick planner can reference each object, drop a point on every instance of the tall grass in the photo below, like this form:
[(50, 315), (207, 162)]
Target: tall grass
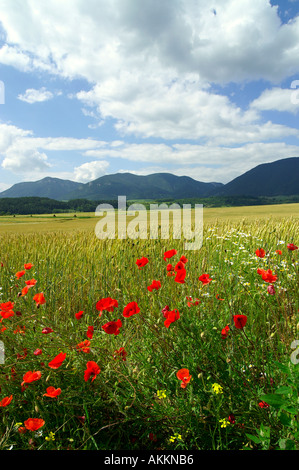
[(138, 403)]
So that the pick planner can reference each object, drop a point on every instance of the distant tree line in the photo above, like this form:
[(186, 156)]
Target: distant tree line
[(43, 205)]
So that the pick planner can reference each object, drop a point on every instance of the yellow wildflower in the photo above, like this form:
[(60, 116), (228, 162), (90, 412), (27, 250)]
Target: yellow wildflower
[(217, 388)]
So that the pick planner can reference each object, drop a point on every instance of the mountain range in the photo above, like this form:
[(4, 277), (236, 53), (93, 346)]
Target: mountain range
[(279, 178)]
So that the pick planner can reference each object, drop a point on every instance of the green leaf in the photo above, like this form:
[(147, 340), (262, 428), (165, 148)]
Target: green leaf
[(253, 438), (282, 367), (285, 419), (284, 390), (290, 409), (273, 399)]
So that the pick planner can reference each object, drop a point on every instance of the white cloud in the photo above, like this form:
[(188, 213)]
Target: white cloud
[(32, 96), (203, 162), (150, 65), (178, 110), (243, 40), (22, 162), (11, 55), (90, 171), (26, 155), (23, 153), (277, 99)]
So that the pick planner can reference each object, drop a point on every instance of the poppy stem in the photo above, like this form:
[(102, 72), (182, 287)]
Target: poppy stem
[(247, 337)]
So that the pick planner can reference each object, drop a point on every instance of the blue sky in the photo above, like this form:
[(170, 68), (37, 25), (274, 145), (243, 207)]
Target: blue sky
[(197, 88)]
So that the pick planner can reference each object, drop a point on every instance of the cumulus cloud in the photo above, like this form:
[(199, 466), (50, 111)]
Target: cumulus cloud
[(178, 110), (23, 153), (184, 36), (151, 66), (32, 96), (153, 75), (203, 162), (90, 171), (20, 161), (277, 99)]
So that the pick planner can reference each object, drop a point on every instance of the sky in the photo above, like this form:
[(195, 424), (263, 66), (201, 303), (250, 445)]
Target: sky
[(206, 89)]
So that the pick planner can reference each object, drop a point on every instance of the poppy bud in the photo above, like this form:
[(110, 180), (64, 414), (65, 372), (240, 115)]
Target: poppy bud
[(271, 289)]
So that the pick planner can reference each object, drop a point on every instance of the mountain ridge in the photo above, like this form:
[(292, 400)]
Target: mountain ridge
[(277, 178)]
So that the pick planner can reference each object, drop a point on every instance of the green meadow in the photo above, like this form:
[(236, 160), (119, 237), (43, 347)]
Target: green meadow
[(97, 362)]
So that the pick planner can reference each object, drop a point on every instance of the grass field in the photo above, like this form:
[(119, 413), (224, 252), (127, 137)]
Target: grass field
[(104, 363), (87, 221)]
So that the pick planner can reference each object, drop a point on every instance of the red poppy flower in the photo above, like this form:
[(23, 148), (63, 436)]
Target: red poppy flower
[(120, 353), (52, 392), (7, 313), (171, 316), (39, 299), (263, 404), (180, 276), (108, 304), (154, 285), (7, 306), (240, 321), (141, 262), (20, 274), (112, 327), (165, 310), (5, 401), (169, 254), (92, 370), (24, 291), (20, 330), (260, 253), (31, 376), (225, 331), (232, 418), (37, 352), (184, 376), (89, 332), (84, 346), (170, 270), (292, 247), (191, 302), (179, 265), (33, 424), (31, 282), (267, 276), (47, 330), (278, 252), (28, 265), (183, 259), (205, 279), (79, 315), (6, 309), (131, 309), (57, 361), (22, 356)]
